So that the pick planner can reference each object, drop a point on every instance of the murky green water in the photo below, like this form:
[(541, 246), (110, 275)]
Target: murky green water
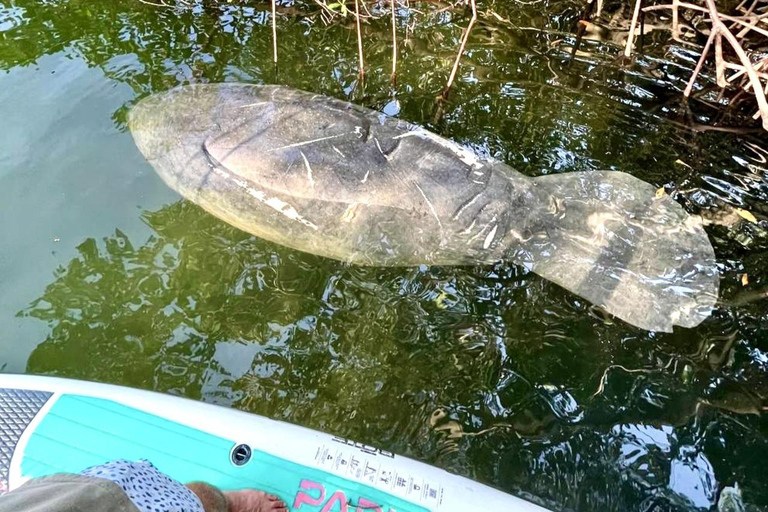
[(106, 275)]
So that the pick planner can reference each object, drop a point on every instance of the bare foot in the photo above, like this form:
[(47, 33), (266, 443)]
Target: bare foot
[(254, 501)]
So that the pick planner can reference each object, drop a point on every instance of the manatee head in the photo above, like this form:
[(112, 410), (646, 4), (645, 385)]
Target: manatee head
[(188, 116)]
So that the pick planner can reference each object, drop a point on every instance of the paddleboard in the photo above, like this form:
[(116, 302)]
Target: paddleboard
[(51, 425)]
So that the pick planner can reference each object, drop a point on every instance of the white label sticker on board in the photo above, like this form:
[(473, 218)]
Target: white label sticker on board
[(370, 467)]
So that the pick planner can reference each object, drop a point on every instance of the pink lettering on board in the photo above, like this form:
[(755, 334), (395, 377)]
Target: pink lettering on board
[(339, 497), (303, 498), (367, 506)]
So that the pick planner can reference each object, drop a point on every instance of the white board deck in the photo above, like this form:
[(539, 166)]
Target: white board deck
[(51, 425)]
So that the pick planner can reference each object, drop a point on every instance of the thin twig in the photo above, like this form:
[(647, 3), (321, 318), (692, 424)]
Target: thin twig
[(719, 61), (274, 32), (632, 26), (754, 21), (359, 38), (153, 4), (325, 8), (699, 65), (741, 70), (694, 7), (462, 46), (369, 15), (719, 31), (604, 378), (675, 20), (581, 28), (746, 13), (394, 42)]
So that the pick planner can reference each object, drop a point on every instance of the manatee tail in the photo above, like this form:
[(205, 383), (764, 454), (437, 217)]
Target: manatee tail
[(611, 240)]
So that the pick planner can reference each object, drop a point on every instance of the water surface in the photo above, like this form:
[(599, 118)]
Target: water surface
[(488, 371)]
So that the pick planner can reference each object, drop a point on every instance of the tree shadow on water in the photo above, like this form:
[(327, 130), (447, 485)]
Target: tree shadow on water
[(151, 315), (204, 310)]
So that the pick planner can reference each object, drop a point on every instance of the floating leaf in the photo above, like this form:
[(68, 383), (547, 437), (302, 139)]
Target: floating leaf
[(687, 374), (442, 300), (744, 214)]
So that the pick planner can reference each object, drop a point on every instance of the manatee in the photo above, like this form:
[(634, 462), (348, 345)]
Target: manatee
[(331, 178)]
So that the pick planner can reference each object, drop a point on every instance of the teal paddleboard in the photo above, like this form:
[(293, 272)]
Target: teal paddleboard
[(50, 425)]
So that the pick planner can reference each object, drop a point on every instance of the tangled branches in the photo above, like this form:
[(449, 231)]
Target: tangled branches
[(733, 42), (748, 30)]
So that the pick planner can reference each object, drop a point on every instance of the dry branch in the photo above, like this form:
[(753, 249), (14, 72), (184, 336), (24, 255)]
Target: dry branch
[(632, 26), (394, 42), (274, 32), (740, 20), (462, 47), (359, 38), (675, 20), (745, 69), (699, 65), (719, 28)]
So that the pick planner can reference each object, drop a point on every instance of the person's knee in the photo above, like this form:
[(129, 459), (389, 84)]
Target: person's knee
[(211, 498)]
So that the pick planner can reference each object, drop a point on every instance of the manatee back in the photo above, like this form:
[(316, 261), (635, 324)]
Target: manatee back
[(326, 176)]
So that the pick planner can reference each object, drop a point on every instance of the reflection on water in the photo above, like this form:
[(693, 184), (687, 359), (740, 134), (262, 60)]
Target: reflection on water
[(459, 367), (488, 371)]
